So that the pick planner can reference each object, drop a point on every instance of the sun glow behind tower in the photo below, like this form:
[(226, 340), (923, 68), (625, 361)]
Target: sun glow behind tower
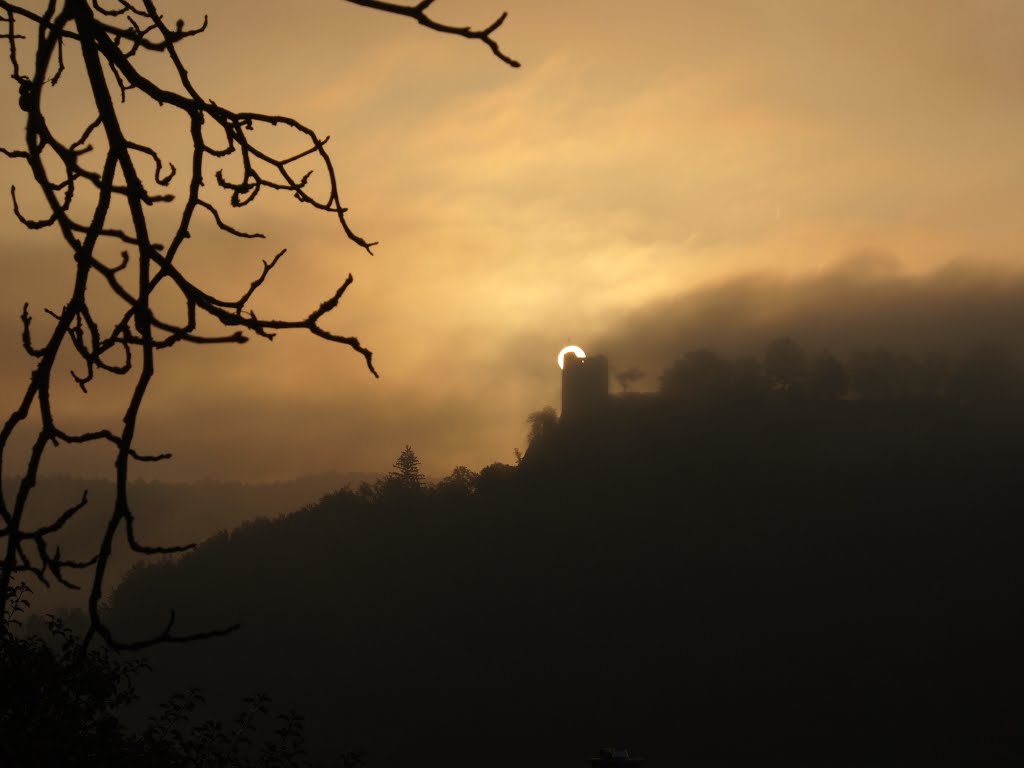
[(566, 350)]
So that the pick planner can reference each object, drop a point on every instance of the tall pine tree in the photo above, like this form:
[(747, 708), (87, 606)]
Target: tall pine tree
[(406, 472)]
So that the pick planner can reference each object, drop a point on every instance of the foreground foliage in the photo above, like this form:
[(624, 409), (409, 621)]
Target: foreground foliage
[(62, 705)]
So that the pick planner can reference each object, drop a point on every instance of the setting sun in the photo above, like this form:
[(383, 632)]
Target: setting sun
[(566, 350)]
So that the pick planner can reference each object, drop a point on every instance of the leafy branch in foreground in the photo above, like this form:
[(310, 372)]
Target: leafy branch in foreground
[(62, 706), (108, 192)]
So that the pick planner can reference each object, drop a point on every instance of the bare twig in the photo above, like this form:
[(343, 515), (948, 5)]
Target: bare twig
[(419, 13), (111, 37)]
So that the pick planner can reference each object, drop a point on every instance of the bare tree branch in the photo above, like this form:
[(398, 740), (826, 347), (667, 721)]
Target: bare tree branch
[(115, 41), (419, 13)]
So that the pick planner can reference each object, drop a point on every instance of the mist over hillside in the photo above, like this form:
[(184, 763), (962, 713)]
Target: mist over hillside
[(860, 302)]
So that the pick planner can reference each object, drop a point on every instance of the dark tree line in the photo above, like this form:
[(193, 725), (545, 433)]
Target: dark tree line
[(983, 374)]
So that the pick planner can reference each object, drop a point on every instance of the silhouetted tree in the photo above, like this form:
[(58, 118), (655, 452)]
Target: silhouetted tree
[(628, 377), (748, 378), (828, 377), (985, 373), (406, 471), (701, 373), (541, 423), (785, 363), (102, 190), (460, 482), (495, 477), (929, 378), (873, 373)]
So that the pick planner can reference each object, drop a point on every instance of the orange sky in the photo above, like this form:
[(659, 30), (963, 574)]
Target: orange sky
[(645, 153)]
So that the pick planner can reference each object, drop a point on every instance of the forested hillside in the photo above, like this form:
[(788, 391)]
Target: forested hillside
[(167, 513), (716, 574)]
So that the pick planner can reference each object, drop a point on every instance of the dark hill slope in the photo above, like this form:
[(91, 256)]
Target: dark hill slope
[(710, 583), (166, 514)]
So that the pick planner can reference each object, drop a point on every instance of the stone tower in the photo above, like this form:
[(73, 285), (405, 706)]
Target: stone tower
[(584, 385)]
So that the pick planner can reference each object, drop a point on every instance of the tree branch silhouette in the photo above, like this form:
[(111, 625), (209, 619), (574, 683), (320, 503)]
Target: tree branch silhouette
[(103, 192), (419, 13)]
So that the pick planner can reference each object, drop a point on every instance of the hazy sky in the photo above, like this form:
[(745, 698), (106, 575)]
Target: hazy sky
[(658, 176)]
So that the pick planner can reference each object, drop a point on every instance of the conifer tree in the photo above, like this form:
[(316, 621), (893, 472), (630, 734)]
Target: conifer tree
[(406, 470)]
